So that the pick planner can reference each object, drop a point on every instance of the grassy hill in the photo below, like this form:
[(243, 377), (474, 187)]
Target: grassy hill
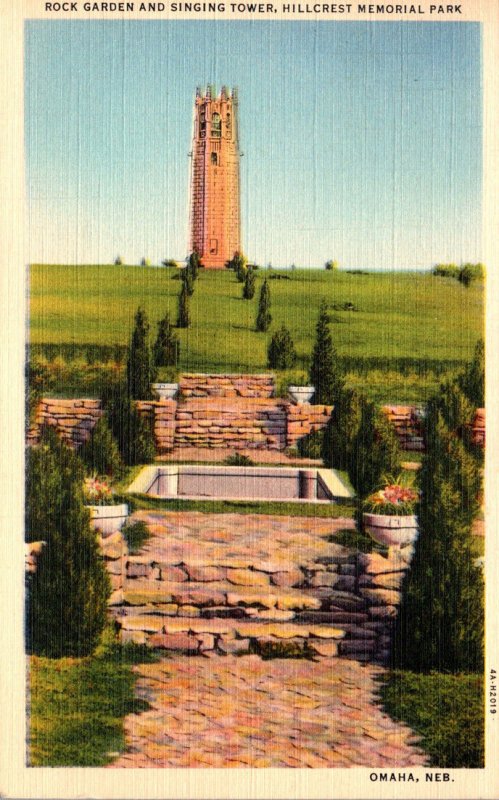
[(403, 324)]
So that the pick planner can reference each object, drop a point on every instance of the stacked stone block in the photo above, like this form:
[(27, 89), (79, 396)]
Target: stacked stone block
[(408, 426), (72, 419), (162, 416), (201, 385), (239, 423), (305, 419), (230, 600)]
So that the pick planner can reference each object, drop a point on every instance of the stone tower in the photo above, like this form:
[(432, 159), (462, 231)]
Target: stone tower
[(215, 206)]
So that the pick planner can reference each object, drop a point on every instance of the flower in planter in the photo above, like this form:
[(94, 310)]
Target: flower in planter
[(396, 498), (98, 491)]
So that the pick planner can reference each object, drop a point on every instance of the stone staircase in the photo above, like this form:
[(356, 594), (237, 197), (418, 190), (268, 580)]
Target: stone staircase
[(215, 584)]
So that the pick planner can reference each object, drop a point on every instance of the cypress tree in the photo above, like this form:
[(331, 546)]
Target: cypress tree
[(166, 349), (441, 620), (132, 431), (194, 265), (188, 281), (324, 370), (374, 451), (100, 453), (281, 352), (140, 370), (342, 429), (472, 382), (249, 285), (264, 317), (68, 593), (183, 316)]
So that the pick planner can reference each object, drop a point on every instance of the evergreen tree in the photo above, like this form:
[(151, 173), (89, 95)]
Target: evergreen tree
[(342, 429), (100, 453), (249, 285), (472, 382), (324, 370), (140, 370), (166, 350), (264, 317), (194, 265), (457, 412), (239, 264), (374, 451), (441, 619), (188, 281), (132, 431), (68, 593), (281, 352), (183, 316)]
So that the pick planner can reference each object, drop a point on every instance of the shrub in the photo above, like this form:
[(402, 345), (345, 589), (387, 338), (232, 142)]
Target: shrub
[(118, 261), (183, 316), (311, 446), (375, 451), (264, 317), (136, 535), (38, 381), (239, 460), (331, 265), (145, 262), (457, 412), (169, 262), (166, 349), (100, 453), (342, 429), (68, 593), (325, 372), (472, 381), (446, 270), (249, 285), (441, 619), (471, 272), (140, 370), (281, 353)]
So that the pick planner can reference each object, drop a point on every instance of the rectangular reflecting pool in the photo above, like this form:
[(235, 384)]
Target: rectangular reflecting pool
[(221, 482)]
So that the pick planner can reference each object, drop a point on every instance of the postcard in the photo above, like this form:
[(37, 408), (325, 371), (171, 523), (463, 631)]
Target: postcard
[(249, 482)]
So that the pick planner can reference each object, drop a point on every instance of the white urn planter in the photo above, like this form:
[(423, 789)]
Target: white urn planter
[(391, 531), (301, 394), (165, 391), (108, 519)]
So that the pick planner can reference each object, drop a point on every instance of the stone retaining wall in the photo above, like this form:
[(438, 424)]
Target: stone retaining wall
[(201, 385), (162, 416), (305, 419), (72, 419), (240, 423)]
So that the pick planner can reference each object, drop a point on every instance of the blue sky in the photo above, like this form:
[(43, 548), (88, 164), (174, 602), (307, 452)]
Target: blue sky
[(361, 141)]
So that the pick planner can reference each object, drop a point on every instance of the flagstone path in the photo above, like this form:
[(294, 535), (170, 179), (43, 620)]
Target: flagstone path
[(246, 712)]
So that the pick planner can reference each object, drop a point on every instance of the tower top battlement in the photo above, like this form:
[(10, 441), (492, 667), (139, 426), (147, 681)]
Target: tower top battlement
[(210, 93)]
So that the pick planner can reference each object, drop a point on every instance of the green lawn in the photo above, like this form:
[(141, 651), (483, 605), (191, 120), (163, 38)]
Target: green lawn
[(446, 710), (408, 315), (77, 706)]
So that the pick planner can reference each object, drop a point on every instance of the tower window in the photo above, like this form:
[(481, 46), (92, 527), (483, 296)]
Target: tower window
[(214, 159), (216, 126), (213, 246), (228, 123)]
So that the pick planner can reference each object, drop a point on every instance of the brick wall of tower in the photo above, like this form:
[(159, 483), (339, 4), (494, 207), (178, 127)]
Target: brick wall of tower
[(215, 211)]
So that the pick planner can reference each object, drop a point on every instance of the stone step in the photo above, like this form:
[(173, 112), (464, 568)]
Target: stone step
[(243, 629), (218, 594)]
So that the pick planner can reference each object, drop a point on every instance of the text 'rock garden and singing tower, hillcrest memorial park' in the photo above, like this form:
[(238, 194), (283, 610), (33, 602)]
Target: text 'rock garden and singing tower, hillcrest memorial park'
[(215, 205)]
